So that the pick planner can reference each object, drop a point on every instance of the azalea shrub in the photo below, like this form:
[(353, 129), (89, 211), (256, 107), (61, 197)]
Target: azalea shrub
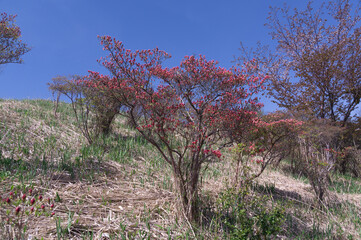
[(94, 110), (188, 113), (318, 153), (349, 161), (105, 106), (271, 139), (12, 48)]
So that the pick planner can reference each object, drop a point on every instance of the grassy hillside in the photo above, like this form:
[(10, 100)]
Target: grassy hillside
[(120, 188)]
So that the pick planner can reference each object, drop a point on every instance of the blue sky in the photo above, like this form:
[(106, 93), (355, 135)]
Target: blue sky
[(63, 34)]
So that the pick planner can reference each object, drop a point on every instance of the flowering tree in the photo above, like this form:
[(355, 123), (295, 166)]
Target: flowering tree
[(189, 116), (104, 105), (94, 108), (11, 47), (272, 138)]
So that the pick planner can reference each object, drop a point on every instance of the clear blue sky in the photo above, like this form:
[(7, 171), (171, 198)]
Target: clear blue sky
[(63, 34)]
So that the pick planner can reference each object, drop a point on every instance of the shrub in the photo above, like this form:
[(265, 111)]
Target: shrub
[(193, 110), (349, 161), (12, 48), (317, 154), (105, 106), (269, 141), (94, 110), (249, 217)]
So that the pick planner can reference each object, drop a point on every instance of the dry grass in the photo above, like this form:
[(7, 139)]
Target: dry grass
[(17, 122), (101, 206), (304, 199), (107, 198)]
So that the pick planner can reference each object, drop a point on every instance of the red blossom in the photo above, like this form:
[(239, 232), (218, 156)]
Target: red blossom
[(17, 210), (191, 109), (12, 48)]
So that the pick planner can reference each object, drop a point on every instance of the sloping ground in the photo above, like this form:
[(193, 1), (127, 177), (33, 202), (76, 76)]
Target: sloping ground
[(98, 197), (101, 206), (126, 190), (28, 125), (288, 186), (341, 217), (351, 197), (292, 188)]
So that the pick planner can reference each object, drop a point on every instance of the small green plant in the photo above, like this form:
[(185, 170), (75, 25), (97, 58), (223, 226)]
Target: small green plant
[(134, 234), (244, 216), (64, 232)]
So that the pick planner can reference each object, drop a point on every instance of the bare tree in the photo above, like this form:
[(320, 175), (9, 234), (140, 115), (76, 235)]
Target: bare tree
[(316, 67)]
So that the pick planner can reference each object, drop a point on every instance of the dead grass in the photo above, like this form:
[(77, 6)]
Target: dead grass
[(100, 207), (288, 186), (128, 198), (112, 197), (19, 121), (303, 197)]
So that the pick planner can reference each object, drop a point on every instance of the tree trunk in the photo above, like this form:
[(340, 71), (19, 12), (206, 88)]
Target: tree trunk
[(188, 190), (320, 187), (104, 121)]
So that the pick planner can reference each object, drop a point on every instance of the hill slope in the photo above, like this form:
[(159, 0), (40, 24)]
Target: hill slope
[(120, 188)]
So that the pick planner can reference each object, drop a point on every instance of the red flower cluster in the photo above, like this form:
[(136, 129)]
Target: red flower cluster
[(20, 202), (184, 111)]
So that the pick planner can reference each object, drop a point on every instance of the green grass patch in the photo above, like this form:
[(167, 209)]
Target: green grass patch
[(345, 184)]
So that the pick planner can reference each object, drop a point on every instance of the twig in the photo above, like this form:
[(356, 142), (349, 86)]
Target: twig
[(190, 225)]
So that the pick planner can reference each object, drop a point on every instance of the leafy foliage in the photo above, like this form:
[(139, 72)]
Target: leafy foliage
[(270, 140), (94, 110), (318, 153), (195, 107), (248, 217)]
